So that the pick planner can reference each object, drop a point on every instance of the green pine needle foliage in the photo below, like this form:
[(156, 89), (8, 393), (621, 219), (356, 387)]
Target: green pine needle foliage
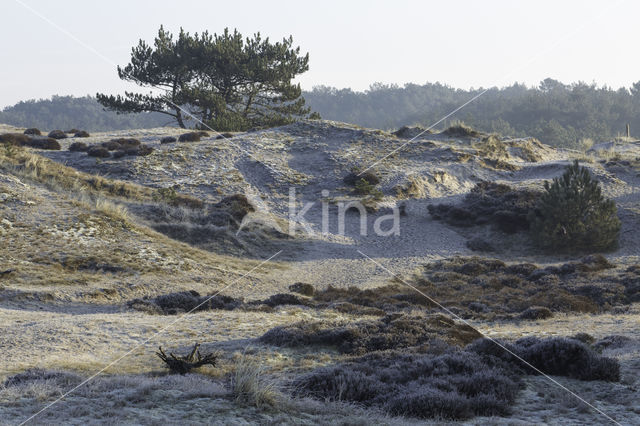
[(573, 216)]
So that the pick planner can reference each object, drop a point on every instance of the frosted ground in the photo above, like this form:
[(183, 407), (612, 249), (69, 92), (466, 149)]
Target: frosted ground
[(75, 321)]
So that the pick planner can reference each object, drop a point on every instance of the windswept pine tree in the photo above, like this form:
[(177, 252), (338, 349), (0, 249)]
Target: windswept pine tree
[(226, 81)]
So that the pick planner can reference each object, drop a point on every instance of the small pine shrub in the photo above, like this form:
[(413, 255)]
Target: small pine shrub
[(167, 139), (573, 215), (32, 131), (81, 134), (72, 131)]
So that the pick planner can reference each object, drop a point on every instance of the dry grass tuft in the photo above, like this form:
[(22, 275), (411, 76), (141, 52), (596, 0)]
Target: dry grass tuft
[(251, 385)]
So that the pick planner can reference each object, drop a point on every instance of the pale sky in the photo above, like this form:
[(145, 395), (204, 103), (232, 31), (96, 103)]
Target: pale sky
[(351, 43)]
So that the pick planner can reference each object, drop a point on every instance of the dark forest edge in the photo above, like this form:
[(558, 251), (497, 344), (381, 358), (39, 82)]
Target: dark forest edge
[(565, 115)]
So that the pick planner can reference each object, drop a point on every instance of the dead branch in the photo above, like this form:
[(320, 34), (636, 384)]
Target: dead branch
[(184, 364)]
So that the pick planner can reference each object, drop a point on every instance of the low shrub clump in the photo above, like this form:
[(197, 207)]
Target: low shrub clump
[(394, 331), (497, 204), (484, 288), (14, 139), (98, 152), (78, 147), (224, 135), (302, 288), (184, 301), (454, 385), (137, 151), (536, 313), (57, 134), (556, 356), (19, 139), (33, 131), (121, 144), (72, 131), (237, 205), (81, 134), (191, 137), (168, 139), (573, 215), (445, 382), (43, 143)]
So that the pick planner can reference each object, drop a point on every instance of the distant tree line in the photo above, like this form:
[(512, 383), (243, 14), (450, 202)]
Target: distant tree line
[(66, 112), (556, 113)]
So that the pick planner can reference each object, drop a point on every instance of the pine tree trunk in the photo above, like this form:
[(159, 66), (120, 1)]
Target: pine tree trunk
[(179, 118)]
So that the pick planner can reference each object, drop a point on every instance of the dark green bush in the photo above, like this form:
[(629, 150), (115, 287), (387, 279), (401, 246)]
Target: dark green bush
[(168, 139), (573, 215), (32, 131), (81, 134)]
